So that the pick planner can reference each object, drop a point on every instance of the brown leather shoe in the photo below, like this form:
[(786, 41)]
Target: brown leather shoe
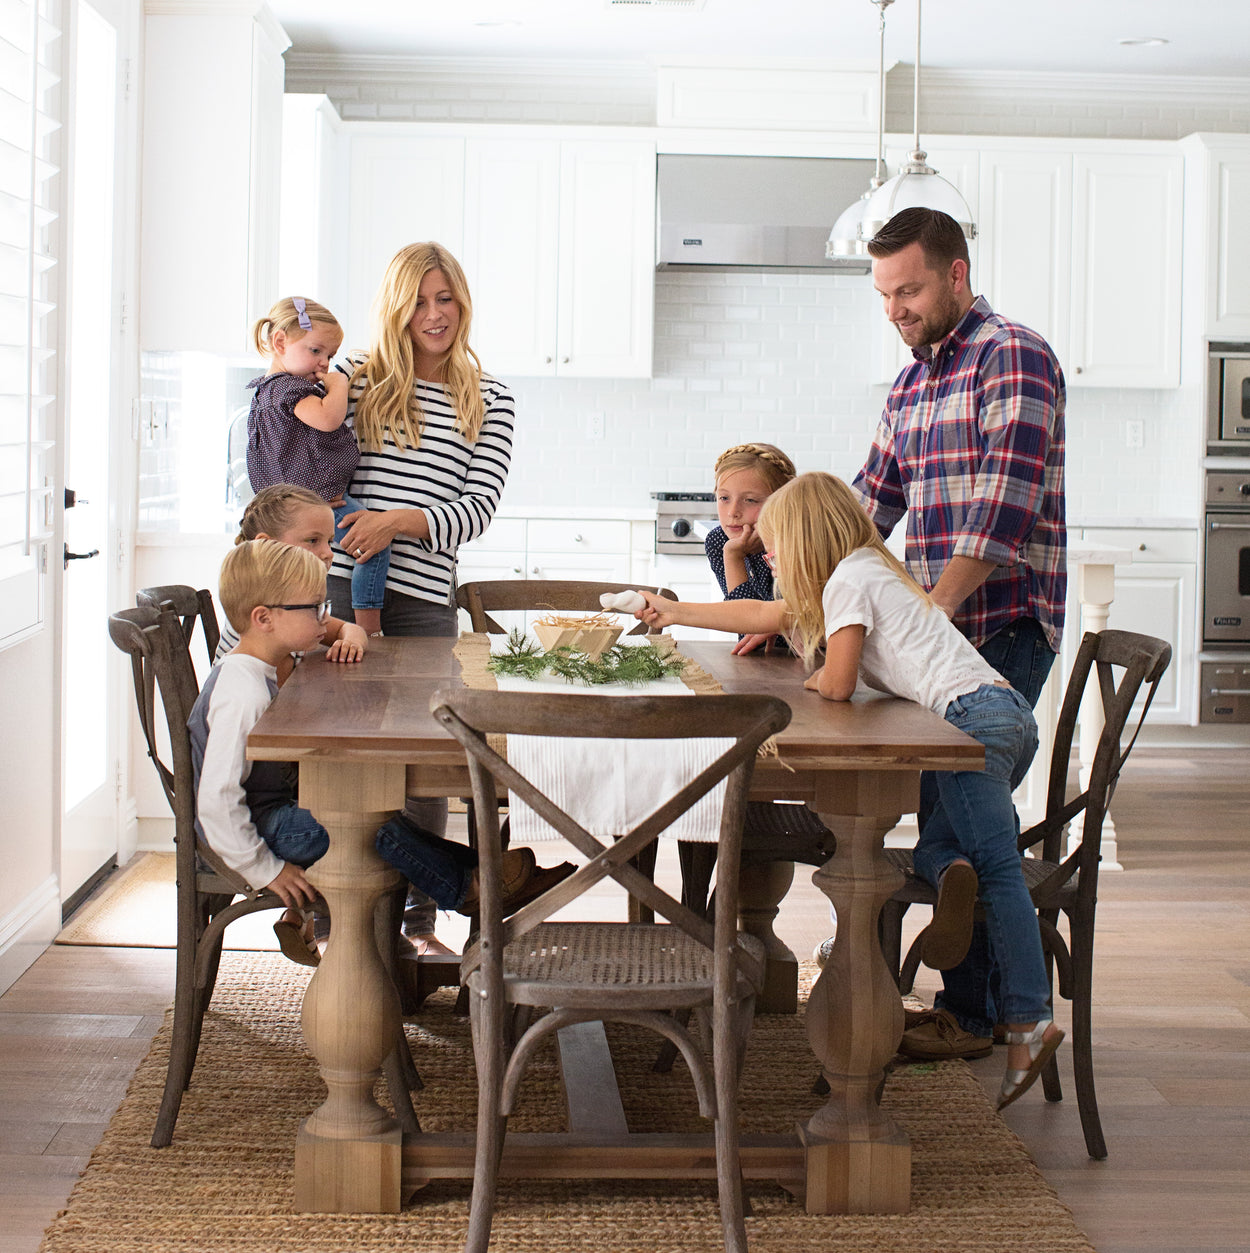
[(941, 1038), (944, 942), (544, 877)]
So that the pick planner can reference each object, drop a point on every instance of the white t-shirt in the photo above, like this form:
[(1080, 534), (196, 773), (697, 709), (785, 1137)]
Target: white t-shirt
[(911, 648)]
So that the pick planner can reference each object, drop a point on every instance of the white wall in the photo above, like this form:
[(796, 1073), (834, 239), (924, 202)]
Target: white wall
[(785, 358)]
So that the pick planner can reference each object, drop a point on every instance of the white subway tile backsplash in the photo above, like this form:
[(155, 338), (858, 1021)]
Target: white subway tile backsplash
[(797, 374)]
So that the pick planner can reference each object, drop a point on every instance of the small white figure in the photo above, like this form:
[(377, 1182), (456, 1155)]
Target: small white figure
[(623, 602)]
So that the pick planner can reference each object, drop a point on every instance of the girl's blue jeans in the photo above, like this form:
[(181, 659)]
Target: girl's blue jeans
[(1003, 978), (369, 577), (439, 868)]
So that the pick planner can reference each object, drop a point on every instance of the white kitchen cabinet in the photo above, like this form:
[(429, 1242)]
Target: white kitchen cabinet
[(403, 189), (209, 244), (1126, 270), (1085, 249), (559, 249), (1155, 595), (1227, 313)]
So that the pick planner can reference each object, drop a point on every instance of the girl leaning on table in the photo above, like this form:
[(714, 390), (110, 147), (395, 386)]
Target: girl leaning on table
[(435, 438), (837, 584), (274, 597)]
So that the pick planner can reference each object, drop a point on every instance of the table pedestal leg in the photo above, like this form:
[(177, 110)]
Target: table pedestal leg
[(347, 1156), (858, 1158), (761, 891)]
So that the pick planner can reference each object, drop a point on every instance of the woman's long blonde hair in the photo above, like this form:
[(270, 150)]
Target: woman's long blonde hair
[(812, 523), (389, 374)]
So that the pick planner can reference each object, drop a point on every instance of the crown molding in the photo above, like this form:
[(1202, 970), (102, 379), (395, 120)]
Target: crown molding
[(943, 87), (308, 71)]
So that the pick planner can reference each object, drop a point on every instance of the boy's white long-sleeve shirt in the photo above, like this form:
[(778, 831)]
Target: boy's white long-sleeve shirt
[(237, 691)]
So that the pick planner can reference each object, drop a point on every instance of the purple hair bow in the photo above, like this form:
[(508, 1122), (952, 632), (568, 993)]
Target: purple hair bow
[(301, 310)]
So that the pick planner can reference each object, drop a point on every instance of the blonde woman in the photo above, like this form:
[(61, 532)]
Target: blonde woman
[(842, 589), (435, 438)]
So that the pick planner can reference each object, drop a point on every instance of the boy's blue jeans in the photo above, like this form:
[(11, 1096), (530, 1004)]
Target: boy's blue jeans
[(369, 577), (439, 868), (1003, 978)]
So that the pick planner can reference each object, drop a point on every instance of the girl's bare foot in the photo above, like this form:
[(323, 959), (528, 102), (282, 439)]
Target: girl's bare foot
[(429, 944)]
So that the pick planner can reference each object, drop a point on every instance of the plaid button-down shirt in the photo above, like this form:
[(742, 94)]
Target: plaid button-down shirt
[(971, 448)]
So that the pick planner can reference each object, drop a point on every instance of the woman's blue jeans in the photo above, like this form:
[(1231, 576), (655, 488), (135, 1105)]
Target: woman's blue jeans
[(369, 577), (1003, 978)]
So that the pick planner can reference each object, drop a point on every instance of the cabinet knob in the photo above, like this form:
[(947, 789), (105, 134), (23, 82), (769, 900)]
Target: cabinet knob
[(548, 360), (535, 570), (577, 539), (1077, 369), (564, 360), (1141, 548), (517, 570)]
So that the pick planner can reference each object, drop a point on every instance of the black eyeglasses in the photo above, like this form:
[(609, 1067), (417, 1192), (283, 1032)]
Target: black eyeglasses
[(322, 609)]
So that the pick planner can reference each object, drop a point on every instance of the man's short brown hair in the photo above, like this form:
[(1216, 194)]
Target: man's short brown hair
[(940, 237)]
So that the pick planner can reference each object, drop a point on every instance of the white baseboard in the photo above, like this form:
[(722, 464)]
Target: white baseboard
[(27, 930)]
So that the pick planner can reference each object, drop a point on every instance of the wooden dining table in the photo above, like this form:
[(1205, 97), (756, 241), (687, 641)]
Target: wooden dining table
[(364, 739)]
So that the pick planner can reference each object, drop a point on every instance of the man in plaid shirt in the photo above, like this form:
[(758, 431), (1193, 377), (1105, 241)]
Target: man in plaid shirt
[(970, 449)]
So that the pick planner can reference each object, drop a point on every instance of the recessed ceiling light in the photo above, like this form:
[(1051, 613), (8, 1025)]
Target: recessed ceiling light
[(1143, 41)]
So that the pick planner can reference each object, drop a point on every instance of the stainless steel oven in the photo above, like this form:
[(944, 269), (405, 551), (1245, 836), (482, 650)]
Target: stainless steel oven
[(1226, 564), (682, 521), (1228, 399)]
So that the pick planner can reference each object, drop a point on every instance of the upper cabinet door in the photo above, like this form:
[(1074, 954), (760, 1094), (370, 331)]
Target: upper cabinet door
[(511, 249), (403, 190), (1126, 270), (1026, 241), (1228, 314), (607, 258)]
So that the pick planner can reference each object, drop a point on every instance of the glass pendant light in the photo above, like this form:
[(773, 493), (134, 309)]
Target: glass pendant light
[(845, 239), (917, 183)]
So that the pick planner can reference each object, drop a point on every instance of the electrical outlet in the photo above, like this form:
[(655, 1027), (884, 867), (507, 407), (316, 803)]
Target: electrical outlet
[(594, 425), (1134, 433)]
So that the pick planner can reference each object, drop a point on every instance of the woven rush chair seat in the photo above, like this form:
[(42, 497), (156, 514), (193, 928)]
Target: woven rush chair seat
[(644, 973), (210, 895), (597, 965), (1060, 884)]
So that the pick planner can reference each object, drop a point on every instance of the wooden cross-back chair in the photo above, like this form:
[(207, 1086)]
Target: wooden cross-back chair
[(191, 606), (488, 596), (210, 895), (633, 972), (1060, 884)]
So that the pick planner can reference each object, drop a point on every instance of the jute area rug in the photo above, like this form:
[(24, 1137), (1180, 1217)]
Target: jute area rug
[(138, 908), (226, 1182)]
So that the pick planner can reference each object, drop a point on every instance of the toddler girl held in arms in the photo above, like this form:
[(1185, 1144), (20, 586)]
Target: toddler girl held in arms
[(840, 587), (297, 431)]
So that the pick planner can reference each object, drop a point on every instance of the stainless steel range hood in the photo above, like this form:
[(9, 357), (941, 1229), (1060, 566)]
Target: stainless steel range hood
[(755, 213)]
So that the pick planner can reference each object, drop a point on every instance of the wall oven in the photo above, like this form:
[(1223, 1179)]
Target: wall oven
[(1226, 565), (1228, 399)]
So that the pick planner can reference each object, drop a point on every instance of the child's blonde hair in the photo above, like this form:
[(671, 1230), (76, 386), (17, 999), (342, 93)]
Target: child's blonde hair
[(285, 316), (272, 510), (812, 523), (389, 373), (265, 572), (767, 460)]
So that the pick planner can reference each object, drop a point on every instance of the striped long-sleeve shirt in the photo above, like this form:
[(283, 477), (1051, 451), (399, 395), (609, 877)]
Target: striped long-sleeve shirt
[(970, 448), (457, 485)]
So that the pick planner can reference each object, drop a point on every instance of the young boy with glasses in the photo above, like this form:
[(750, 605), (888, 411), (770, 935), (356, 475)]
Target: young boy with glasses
[(274, 596)]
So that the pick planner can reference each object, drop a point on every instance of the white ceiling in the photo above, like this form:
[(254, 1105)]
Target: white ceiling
[(1206, 37)]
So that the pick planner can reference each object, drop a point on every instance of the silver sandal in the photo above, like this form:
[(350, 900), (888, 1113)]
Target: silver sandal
[(1017, 1082)]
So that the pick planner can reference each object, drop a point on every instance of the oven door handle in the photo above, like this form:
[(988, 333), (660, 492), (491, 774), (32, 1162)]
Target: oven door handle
[(1228, 526), (1228, 691)]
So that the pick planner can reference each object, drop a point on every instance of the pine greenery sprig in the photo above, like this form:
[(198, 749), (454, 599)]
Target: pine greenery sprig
[(620, 664)]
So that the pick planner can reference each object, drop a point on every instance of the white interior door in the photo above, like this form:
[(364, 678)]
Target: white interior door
[(94, 382)]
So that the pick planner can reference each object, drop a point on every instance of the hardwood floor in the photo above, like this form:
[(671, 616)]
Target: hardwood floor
[(1171, 1023)]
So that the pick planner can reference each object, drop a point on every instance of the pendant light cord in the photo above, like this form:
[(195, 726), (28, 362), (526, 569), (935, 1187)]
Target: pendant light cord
[(916, 89)]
